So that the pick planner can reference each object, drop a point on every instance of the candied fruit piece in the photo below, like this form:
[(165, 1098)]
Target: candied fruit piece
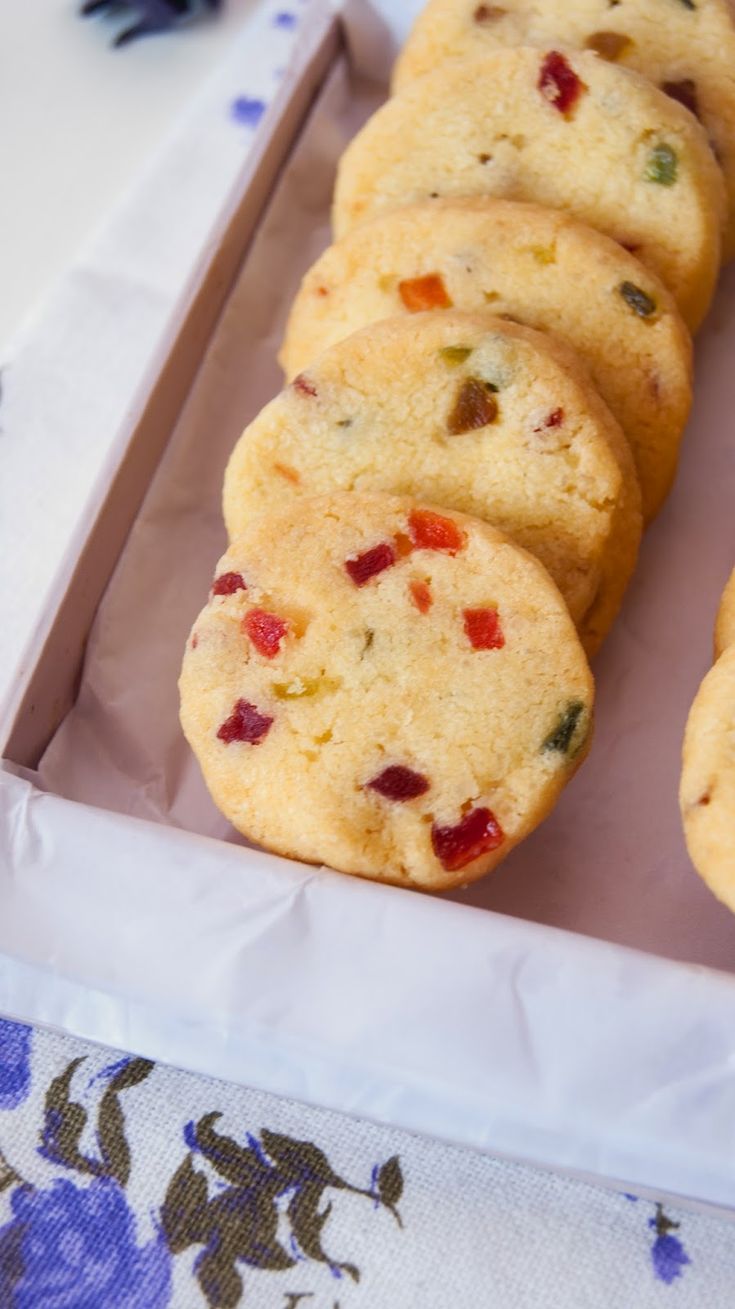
[(305, 687), (555, 419), (288, 472), (194, 641), (688, 4), (483, 629), (453, 355), (421, 596), (303, 385), (685, 92), (228, 584), (641, 303), (399, 783), (322, 290), (362, 567), (427, 292), (560, 737), (476, 834), (266, 631), (488, 13), (245, 723), (559, 84), (475, 406), (662, 165), (543, 254), (430, 531), (608, 45)]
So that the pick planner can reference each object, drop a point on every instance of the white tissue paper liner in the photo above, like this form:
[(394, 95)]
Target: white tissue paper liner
[(445, 1018)]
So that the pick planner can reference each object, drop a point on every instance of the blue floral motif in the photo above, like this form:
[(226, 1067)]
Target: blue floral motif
[(247, 111), (72, 1247), (15, 1063), (285, 20), (668, 1255)]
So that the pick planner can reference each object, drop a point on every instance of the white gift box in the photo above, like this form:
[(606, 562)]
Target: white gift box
[(514, 1017)]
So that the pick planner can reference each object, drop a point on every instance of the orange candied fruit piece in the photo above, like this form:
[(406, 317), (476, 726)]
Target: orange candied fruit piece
[(427, 292), (430, 531), (421, 596)]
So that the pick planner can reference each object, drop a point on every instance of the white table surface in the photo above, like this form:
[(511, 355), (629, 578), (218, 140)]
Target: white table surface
[(79, 120)]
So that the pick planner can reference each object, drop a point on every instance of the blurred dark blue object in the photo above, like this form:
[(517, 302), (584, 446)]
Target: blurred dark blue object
[(149, 15)]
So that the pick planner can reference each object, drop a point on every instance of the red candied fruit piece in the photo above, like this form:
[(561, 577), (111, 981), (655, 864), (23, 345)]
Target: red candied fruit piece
[(266, 631), (374, 561), (228, 584), (428, 292), (555, 419), (559, 84), (399, 783), (421, 596), (430, 531), (477, 833), (303, 385), (245, 723), (483, 629)]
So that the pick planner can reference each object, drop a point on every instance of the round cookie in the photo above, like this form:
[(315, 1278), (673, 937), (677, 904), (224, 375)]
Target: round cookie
[(469, 412), (569, 131), (687, 49), (337, 721), (707, 791), (540, 267), (725, 623)]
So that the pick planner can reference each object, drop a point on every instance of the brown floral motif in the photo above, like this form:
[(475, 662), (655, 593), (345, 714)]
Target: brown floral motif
[(239, 1225), (65, 1121)]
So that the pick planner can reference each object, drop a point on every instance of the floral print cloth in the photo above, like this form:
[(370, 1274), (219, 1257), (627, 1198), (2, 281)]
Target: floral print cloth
[(127, 1185)]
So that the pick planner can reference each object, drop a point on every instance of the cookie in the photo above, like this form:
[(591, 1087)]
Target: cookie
[(393, 691), (687, 49), (471, 413), (725, 624), (569, 131), (707, 791), (540, 267)]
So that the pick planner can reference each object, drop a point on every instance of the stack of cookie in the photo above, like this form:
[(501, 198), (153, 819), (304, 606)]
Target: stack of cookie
[(707, 791), (437, 519)]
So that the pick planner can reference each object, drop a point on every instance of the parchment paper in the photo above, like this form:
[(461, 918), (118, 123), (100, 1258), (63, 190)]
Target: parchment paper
[(610, 862)]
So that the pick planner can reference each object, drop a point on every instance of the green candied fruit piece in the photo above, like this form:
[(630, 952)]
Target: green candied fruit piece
[(688, 4), (641, 303), (560, 737), (662, 166), (454, 355)]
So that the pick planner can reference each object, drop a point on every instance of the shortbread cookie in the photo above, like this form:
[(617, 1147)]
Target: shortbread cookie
[(536, 265), (707, 792), (725, 624), (469, 412), (687, 49), (569, 131), (397, 692)]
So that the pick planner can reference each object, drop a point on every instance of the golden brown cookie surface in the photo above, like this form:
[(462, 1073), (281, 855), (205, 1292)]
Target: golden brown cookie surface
[(566, 130), (687, 49), (539, 267), (391, 690)]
